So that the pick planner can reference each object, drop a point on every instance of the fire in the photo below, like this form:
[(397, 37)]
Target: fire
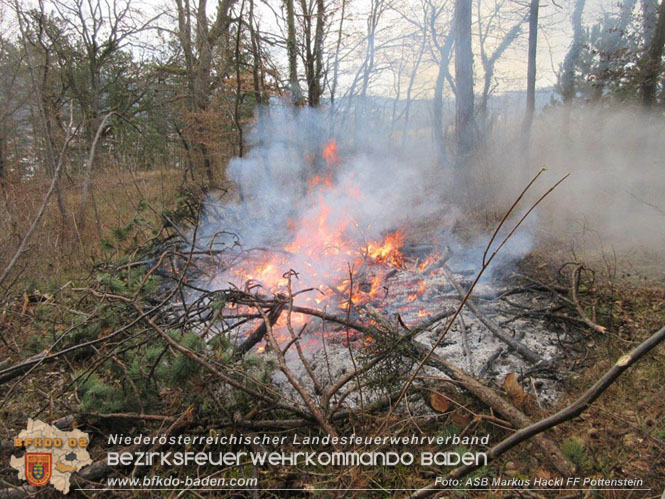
[(389, 251), (330, 154), (413, 296), (324, 247)]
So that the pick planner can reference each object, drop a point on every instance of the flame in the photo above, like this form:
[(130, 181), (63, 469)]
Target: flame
[(413, 296), (330, 154), (324, 245), (389, 251)]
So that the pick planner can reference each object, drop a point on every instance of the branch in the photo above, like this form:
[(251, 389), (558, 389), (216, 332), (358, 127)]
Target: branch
[(571, 411)]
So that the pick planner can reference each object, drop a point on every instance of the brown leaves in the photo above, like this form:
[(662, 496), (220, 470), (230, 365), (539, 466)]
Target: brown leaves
[(438, 402), (515, 393)]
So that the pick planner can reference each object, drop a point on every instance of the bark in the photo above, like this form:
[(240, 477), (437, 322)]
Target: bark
[(333, 90), (3, 158), (292, 52), (570, 61), (531, 72), (88, 171), (464, 122), (651, 61), (316, 89), (239, 96), (443, 74), (649, 15)]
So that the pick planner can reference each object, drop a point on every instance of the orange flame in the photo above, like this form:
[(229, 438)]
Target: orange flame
[(330, 154)]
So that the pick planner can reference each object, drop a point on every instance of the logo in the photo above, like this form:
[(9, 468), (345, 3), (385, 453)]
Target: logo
[(38, 468), (51, 455)]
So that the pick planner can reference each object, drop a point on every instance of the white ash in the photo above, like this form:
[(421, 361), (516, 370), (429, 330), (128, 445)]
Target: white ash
[(488, 357)]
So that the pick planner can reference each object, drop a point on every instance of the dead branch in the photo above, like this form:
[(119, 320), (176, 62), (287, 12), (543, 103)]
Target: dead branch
[(315, 411), (574, 282), (491, 325), (486, 262), (569, 412), (491, 398), (257, 335)]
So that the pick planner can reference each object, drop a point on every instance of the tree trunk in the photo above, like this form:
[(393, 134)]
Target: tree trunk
[(649, 15), (651, 62), (531, 72), (292, 51), (464, 125), (316, 89), (570, 61)]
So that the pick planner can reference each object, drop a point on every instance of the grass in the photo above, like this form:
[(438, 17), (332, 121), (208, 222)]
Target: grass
[(59, 249), (621, 435)]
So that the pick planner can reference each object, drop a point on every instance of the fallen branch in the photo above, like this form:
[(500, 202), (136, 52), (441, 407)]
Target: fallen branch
[(491, 398), (494, 328), (571, 411), (574, 282), (258, 334)]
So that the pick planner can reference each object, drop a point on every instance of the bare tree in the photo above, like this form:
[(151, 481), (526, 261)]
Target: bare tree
[(198, 53), (443, 47), (314, 16), (292, 53), (489, 60)]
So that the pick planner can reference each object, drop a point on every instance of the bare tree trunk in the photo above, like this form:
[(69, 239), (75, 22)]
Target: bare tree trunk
[(490, 62), (292, 52), (531, 73), (570, 61), (464, 123), (317, 88), (651, 61), (333, 90), (88, 171), (3, 158), (199, 67), (445, 51), (238, 96), (57, 163), (409, 89), (649, 16)]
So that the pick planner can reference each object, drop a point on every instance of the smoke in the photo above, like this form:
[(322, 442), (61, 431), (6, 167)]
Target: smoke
[(373, 183), (300, 166), (613, 201)]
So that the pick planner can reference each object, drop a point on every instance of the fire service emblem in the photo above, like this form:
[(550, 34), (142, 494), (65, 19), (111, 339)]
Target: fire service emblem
[(38, 468)]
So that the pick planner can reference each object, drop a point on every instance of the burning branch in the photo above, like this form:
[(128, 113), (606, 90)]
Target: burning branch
[(315, 411), (258, 334)]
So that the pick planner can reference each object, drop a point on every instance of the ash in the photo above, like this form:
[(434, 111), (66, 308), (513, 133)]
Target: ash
[(406, 298)]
